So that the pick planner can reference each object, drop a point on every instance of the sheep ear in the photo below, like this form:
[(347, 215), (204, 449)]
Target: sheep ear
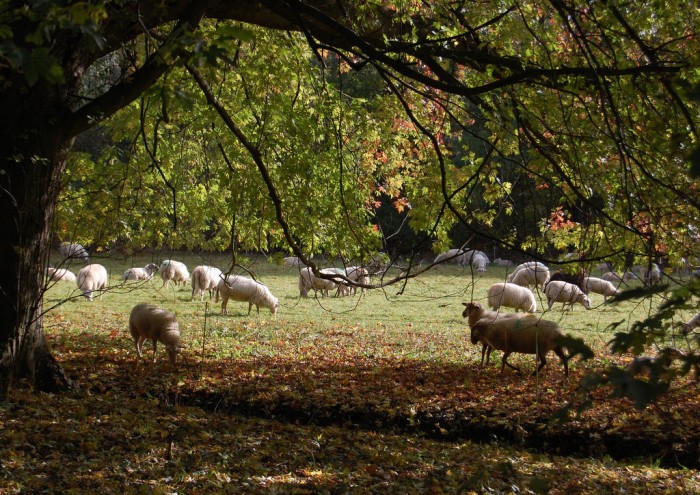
[(464, 304)]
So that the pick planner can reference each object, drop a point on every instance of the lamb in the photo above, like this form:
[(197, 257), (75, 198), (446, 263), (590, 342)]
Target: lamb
[(148, 322), (240, 288), (145, 273), (511, 296), (600, 286), (60, 275), (694, 322), (525, 335), (91, 278), (474, 313), (73, 251), (536, 275), (564, 292), (307, 280), (205, 277), (175, 271)]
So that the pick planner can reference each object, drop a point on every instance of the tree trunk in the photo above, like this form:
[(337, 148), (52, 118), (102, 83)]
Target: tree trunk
[(32, 164)]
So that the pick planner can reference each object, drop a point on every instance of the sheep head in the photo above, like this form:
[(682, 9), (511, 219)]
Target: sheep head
[(471, 308)]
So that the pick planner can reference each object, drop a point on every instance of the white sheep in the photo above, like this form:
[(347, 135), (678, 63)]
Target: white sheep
[(307, 280), (175, 271), (60, 274), (73, 251), (612, 277), (240, 288), (511, 296), (91, 278), (293, 261), (475, 312), (205, 277), (600, 286), (473, 257), (449, 256), (650, 275), (357, 274), (694, 322), (564, 292), (145, 273), (148, 322), (525, 335), (502, 262), (535, 275), (534, 265)]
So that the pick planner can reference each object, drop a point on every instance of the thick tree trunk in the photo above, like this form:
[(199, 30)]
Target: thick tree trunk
[(30, 176)]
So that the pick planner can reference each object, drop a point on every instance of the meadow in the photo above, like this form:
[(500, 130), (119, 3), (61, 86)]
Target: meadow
[(378, 392)]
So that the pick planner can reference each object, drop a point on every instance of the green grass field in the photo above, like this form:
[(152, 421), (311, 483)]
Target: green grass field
[(379, 393)]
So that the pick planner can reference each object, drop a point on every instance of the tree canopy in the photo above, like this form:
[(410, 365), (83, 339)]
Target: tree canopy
[(540, 128)]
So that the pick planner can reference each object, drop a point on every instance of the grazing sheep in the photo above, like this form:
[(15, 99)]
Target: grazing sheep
[(511, 296), (91, 278), (613, 278), (536, 276), (175, 271), (572, 278), (533, 265), (205, 277), (73, 251), (357, 274), (148, 322), (474, 312), (293, 261), (240, 288), (307, 280), (600, 286), (694, 322), (60, 275), (145, 273), (473, 257), (525, 335), (564, 292), (650, 275)]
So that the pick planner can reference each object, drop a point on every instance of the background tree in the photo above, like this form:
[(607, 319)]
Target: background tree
[(585, 103)]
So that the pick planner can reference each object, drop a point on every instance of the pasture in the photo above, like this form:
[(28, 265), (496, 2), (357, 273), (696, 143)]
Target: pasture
[(380, 392)]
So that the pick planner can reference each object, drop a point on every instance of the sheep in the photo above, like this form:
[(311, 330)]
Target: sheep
[(175, 271), (613, 277), (536, 275), (307, 280), (357, 274), (650, 275), (653, 367), (145, 273), (600, 286), (91, 278), (73, 251), (205, 277), (525, 335), (292, 261), (564, 292), (572, 278), (148, 322), (694, 322), (449, 256), (511, 296), (474, 313), (502, 262), (533, 265), (469, 257), (60, 274), (240, 288), (478, 262)]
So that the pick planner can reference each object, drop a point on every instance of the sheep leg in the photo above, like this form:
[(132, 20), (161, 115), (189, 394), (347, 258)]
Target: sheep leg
[(504, 363), (250, 307), (485, 351), (155, 348), (564, 359), (139, 342)]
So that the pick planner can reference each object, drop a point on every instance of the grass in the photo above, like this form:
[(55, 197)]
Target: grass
[(379, 393)]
